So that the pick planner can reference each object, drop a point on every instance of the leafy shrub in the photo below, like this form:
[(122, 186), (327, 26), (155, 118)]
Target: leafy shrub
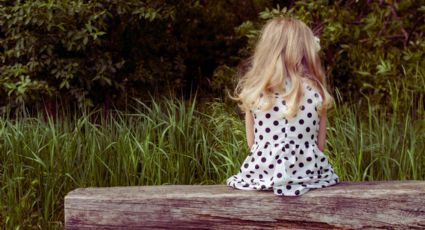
[(70, 47), (97, 52), (366, 46)]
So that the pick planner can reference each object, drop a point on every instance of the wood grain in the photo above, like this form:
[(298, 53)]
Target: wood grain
[(347, 205)]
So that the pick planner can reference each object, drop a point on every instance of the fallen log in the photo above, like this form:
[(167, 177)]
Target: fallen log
[(347, 205)]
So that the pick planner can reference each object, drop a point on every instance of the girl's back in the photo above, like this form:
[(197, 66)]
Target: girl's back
[(285, 156), (302, 129)]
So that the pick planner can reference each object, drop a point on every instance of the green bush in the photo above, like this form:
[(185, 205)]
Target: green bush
[(366, 46), (73, 48), (94, 52)]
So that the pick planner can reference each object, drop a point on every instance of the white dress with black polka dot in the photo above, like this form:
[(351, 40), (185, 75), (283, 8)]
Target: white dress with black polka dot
[(285, 156)]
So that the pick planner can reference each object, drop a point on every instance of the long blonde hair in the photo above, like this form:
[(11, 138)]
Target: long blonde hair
[(286, 49)]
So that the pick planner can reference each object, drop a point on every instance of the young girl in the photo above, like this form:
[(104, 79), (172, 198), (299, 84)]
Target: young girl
[(284, 98)]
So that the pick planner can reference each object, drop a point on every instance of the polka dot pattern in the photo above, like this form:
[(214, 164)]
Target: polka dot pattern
[(285, 157)]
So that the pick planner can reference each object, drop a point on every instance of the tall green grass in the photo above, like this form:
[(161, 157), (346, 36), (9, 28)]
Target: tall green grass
[(171, 141), (162, 142), (369, 141)]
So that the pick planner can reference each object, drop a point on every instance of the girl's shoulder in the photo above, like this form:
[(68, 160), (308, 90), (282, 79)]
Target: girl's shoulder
[(309, 88), (311, 91), (310, 85)]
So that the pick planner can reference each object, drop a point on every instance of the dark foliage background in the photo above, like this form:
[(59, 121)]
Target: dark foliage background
[(99, 53), (95, 52)]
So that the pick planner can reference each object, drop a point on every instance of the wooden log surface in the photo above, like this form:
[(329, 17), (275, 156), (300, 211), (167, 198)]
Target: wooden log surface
[(347, 205)]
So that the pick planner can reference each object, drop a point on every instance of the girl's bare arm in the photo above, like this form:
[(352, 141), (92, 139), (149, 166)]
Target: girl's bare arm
[(321, 138), (249, 126)]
